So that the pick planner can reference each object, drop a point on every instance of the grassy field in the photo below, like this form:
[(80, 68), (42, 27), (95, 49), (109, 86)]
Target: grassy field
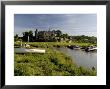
[(52, 63)]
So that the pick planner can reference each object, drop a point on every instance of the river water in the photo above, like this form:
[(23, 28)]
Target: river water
[(81, 58)]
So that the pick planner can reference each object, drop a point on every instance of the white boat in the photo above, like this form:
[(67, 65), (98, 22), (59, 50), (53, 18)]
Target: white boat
[(91, 48), (76, 47), (24, 50), (36, 50)]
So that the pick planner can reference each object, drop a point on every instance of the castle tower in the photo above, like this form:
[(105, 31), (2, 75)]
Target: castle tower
[(36, 34)]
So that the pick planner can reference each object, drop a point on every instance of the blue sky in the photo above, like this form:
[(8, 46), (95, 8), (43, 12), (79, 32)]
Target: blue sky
[(72, 24)]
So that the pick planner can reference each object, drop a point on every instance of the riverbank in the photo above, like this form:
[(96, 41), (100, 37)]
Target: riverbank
[(52, 63)]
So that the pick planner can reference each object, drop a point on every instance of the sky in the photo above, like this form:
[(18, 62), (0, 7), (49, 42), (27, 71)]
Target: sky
[(72, 24)]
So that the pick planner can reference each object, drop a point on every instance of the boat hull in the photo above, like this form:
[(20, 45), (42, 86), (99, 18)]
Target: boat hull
[(24, 50)]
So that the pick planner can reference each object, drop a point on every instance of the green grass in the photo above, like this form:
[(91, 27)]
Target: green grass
[(52, 63), (53, 44)]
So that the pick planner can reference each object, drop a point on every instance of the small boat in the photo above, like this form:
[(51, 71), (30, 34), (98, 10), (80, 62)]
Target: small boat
[(90, 48), (73, 47), (76, 47), (70, 46), (36, 50), (24, 50)]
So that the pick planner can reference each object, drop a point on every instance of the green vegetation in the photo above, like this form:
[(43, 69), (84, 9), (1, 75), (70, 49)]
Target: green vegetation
[(53, 63)]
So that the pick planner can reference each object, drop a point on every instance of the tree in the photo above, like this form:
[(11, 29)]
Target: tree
[(25, 36), (30, 34), (16, 37), (65, 36), (84, 39), (58, 33)]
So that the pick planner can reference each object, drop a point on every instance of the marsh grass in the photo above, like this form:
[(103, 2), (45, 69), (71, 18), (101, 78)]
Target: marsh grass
[(52, 63)]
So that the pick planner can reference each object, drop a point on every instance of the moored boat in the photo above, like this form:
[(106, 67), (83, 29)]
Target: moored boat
[(90, 48), (25, 50)]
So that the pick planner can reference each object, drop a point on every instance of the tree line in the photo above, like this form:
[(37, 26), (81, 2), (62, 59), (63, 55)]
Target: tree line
[(53, 36)]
